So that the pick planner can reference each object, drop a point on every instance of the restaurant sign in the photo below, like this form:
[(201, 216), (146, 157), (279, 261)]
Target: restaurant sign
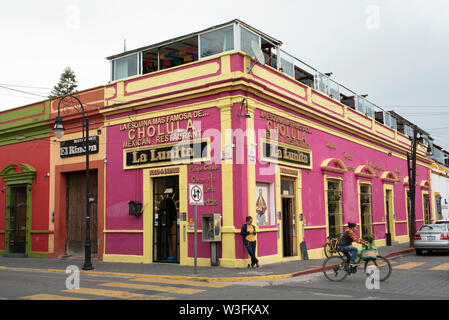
[(273, 151), (173, 153), (76, 147)]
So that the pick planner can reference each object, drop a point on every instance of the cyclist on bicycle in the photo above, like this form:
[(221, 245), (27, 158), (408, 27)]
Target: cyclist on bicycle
[(344, 244)]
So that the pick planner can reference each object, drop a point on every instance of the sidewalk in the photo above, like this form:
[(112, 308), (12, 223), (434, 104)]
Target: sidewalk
[(174, 271)]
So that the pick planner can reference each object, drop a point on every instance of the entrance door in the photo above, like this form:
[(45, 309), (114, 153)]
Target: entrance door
[(390, 232), (165, 219), (76, 213), (17, 220), (426, 205), (288, 217)]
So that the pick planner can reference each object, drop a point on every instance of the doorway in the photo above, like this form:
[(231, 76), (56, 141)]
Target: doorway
[(17, 220), (288, 217), (389, 215), (76, 213), (165, 219), (426, 207)]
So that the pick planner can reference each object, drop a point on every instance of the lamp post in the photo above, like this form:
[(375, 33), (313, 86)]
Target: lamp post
[(58, 130)]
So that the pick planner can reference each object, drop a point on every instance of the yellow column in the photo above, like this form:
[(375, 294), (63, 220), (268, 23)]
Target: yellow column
[(251, 166), (227, 231)]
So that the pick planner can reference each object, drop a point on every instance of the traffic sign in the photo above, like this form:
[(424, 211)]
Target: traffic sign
[(196, 195)]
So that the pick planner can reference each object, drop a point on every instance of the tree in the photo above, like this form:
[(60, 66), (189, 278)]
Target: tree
[(67, 84)]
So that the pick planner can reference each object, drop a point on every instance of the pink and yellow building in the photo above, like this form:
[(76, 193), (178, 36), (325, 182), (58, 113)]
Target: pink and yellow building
[(302, 161), (278, 141)]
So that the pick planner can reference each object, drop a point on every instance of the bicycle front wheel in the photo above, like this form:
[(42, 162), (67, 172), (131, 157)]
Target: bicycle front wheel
[(335, 269), (381, 264), (327, 250)]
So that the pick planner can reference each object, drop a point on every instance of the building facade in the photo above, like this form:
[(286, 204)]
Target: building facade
[(276, 141), (302, 164), (24, 181)]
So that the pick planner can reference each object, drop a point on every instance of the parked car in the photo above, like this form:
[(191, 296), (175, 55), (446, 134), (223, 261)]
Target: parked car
[(442, 222), (432, 237)]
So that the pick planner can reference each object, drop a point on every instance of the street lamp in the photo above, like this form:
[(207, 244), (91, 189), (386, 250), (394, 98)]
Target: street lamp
[(58, 130)]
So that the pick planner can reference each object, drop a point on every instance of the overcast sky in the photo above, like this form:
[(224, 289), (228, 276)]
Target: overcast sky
[(395, 51)]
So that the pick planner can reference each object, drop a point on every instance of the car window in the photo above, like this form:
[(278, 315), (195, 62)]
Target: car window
[(433, 227)]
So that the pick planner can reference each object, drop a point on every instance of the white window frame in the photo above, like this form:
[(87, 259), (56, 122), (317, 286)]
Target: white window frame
[(218, 54), (139, 65)]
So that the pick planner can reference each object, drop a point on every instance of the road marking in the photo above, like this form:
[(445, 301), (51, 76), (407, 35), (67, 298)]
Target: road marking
[(44, 296), (152, 287), (183, 282), (409, 265), (117, 294), (444, 267), (331, 295)]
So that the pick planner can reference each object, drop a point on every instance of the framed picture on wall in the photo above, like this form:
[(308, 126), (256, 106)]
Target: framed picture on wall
[(264, 210)]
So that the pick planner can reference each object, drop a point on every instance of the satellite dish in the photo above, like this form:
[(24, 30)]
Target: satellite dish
[(258, 52)]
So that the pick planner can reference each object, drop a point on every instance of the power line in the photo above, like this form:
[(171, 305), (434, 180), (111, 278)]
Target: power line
[(22, 86), (34, 94)]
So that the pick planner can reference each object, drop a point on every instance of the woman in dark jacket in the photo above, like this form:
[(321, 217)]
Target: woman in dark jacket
[(248, 233)]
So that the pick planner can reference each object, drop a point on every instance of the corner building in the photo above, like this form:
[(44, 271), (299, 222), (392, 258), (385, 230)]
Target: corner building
[(270, 143)]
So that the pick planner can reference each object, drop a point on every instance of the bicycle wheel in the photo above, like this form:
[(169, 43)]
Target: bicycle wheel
[(335, 269), (382, 264), (327, 250)]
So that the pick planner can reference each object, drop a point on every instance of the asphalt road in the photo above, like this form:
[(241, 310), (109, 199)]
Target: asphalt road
[(414, 278)]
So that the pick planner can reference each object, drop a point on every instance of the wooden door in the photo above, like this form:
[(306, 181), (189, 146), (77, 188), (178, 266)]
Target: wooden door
[(76, 213)]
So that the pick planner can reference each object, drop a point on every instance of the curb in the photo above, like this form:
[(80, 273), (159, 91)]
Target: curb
[(315, 270), (195, 278)]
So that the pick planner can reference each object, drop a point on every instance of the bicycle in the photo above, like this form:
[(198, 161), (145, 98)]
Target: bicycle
[(337, 268), (330, 247)]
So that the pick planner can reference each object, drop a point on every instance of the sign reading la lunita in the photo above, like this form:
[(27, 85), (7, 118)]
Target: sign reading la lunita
[(277, 152), (76, 147), (196, 150)]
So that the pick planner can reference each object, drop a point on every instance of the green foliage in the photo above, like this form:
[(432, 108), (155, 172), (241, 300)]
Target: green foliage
[(67, 84), (370, 239)]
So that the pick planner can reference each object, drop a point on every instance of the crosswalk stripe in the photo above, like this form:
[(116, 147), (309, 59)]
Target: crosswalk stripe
[(44, 296), (183, 282), (117, 294), (409, 265), (152, 287), (444, 267)]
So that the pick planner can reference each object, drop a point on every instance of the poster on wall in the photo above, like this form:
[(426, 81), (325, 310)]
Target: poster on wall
[(264, 211)]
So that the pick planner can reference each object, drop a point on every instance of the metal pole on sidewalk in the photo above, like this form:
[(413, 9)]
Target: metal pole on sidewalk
[(195, 242)]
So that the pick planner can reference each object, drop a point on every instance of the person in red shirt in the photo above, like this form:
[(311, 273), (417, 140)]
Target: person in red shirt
[(344, 244)]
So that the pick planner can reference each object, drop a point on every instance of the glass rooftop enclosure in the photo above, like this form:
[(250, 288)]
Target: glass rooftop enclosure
[(237, 36)]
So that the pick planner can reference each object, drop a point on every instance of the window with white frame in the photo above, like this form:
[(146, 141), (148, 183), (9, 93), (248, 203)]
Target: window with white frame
[(125, 67), (217, 41), (246, 37)]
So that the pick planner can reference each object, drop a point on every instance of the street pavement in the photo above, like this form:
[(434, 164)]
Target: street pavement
[(175, 271)]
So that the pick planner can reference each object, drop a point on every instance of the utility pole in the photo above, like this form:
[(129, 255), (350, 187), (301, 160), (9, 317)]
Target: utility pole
[(412, 185)]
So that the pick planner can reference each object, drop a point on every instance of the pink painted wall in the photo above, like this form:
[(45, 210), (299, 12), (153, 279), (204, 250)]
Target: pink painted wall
[(125, 185), (353, 155)]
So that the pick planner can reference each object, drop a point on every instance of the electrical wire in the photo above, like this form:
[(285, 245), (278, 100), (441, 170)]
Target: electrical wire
[(34, 94)]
